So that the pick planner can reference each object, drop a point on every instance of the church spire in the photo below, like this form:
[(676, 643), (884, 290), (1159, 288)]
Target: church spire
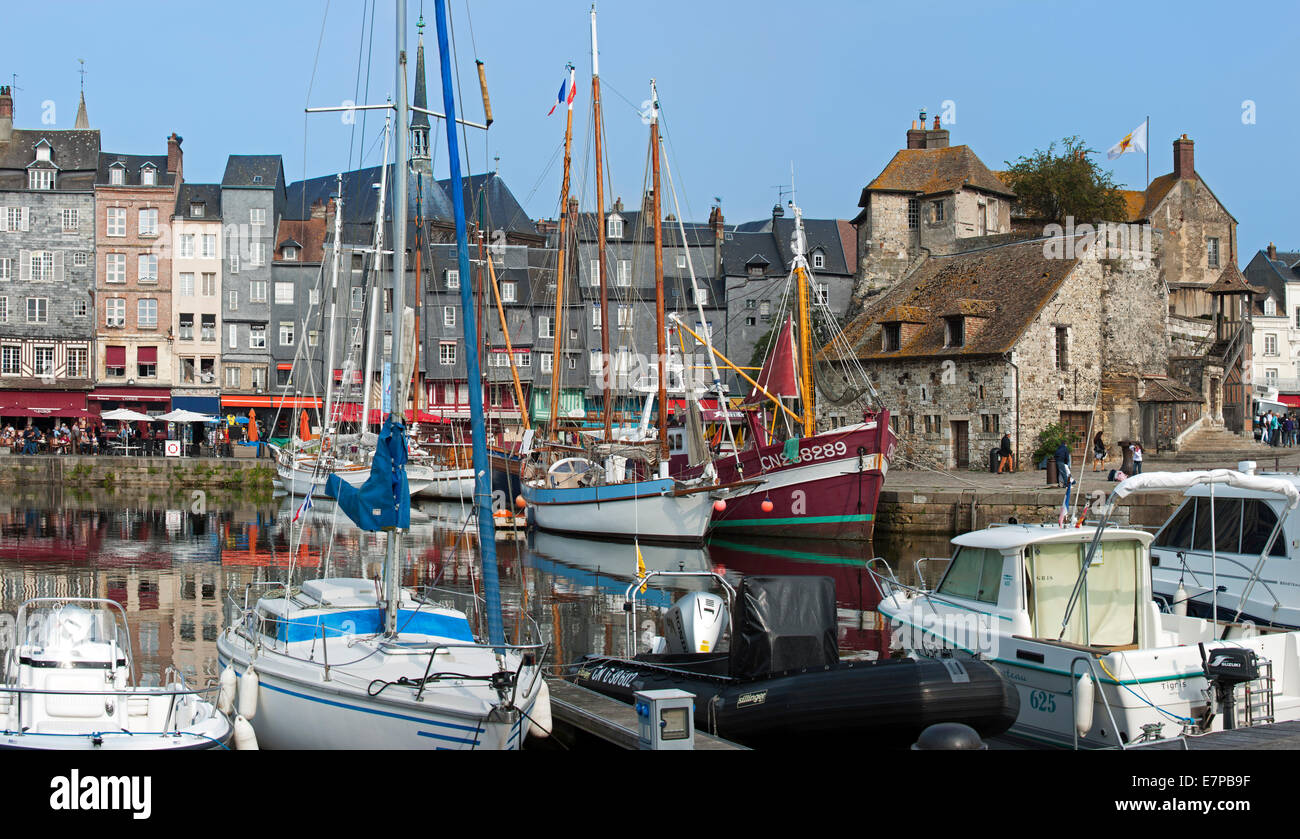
[(420, 120), (83, 121)]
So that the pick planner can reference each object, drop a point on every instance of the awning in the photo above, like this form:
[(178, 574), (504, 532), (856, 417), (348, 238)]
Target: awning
[(284, 366), (131, 394), (269, 402), (1290, 400), (115, 356), (147, 355), (46, 402), (351, 412), (678, 405)]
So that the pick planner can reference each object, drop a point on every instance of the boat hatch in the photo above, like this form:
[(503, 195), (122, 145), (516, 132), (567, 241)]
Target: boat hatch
[(1108, 610), (341, 592)]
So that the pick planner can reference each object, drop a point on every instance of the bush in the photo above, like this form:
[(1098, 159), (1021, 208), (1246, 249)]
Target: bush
[(1050, 438)]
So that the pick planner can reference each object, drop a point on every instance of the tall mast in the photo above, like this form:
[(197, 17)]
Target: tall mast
[(600, 231), (334, 293), (661, 347), (372, 328), (418, 395), (558, 329), (482, 475), (397, 403), (805, 329)]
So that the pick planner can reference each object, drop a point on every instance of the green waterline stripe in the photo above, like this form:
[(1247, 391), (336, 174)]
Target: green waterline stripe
[(863, 517), (823, 559)]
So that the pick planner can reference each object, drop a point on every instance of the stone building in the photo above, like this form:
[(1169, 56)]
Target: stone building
[(135, 198), (196, 297), (928, 199), (47, 271)]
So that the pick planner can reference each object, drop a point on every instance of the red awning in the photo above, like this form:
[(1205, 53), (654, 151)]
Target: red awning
[(1290, 400), (115, 356), (284, 366), (269, 402), (147, 355), (678, 405), (131, 394), (351, 412)]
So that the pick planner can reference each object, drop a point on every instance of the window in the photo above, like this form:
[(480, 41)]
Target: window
[(209, 284), (625, 272), (40, 179), (115, 268), (891, 337), (936, 211), (913, 213), (545, 362), (234, 261), (284, 293), (358, 299), (43, 358), (700, 296), (1062, 348), (11, 360), (43, 265), (186, 328), (148, 268), (286, 333), (257, 292), (185, 246), (80, 308), (448, 315), (232, 377), (259, 377), (822, 292), (290, 253), (147, 313), (447, 352), (1270, 344), (595, 315), (819, 259), (991, 423), (593, 363), (624, 316), (116, 221), (545, 327), (185, 284), (232, 336), (115, 311), (954, 331), (1270, 377), (1212, 252), (78, 364), (1270, 307), (572, 362), (388, 301), (196, 209), (80, 259), (209, 246), (7, 273), (232, 301), (313, 338), (148, 176), (209, 328), (38, 309), (751, 321), (146, 369), (257, 337), (508, 291), (14, 219), (615, 230), (115, 361), (256, 254), (71, 219), (117, 176), (4, 309), (523, 359), (283, 377), (765, 309), (257, 216), (149, 222), (452, 276)]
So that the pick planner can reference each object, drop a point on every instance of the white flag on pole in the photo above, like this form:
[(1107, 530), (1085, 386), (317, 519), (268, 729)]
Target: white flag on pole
[(1134, 141)]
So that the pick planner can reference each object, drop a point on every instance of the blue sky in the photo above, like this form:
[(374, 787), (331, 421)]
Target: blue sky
[(748, 88)]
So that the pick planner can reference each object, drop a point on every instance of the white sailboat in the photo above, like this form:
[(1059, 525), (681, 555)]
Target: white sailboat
[(344, 663)]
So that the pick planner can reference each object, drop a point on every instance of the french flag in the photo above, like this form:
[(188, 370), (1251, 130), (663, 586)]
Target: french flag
[(567, 92), (304, 507)]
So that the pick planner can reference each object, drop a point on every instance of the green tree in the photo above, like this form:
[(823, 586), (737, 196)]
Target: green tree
[(1051, 186), (1052, 437)]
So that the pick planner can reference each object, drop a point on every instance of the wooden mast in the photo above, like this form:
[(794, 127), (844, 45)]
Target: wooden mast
[(805, 331), (510, 350), (600, 233), (660, 340), (558, 325)]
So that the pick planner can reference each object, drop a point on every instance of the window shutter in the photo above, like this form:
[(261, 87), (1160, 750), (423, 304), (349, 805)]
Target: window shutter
[(23, 223), (4, 219), (24, 265), (58, 266)]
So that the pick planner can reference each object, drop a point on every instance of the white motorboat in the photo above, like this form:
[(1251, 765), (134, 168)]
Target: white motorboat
[(451, 484), (1067, 614), (68, 686), (300, 474), (1234, 544)]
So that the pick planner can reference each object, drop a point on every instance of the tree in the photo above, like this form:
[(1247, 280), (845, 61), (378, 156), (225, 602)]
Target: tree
[(1053, 187)]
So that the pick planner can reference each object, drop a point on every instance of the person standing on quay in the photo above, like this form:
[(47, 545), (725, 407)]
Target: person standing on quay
[(1136, 448), (1098, 452), (1004, 451), (1062, 458)]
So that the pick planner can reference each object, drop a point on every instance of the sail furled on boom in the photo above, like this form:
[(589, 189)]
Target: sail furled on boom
[(383, 502)]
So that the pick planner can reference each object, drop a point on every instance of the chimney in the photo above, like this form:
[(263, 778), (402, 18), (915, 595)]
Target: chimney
[(1183, 158), (6, 113), (174, 155), (1272, 251), (715, 222), (936, 138), (916, 136), (318, 208), (618, 204), (777, 211)]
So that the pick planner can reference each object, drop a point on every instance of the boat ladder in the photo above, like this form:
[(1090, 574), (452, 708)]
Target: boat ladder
[(1257, 701)]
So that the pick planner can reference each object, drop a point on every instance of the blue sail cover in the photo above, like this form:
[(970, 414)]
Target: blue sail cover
[(383, 502)]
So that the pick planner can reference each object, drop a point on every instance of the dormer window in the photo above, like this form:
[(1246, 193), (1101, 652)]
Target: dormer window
[(148, 176), (954, 331), (1270, 307), (290, 252), (891, 337), (756, 270), (117, 176), (40, 179), (43, 151), (257, 179), (615, 230), (936, 211), (196, 209), (818, 259)]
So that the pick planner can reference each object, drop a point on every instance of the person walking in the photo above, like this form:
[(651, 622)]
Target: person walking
[(1136, 448), (1275, 428), (1004, 450), (1062, 457), (1098, 452)]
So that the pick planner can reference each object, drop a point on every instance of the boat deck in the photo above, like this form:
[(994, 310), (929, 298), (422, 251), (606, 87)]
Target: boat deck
[(597, 715), (1283, 735)]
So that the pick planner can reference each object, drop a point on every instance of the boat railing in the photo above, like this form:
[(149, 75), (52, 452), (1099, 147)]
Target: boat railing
[(114, 608), (477, 607), (920, 575), (888, 586), (636, 585), (1250, 572), (529, 655), (121, 694), (1091, 662)]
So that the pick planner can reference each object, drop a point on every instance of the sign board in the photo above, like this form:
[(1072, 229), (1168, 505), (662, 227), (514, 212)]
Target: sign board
[(172, 448)]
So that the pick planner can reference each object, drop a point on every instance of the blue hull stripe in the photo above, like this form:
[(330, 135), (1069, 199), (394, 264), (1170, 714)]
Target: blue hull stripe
[(345, 705)]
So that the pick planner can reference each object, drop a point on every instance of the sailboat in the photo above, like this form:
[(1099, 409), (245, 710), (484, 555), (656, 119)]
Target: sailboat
[(343, 663), (813, 485), (629, 494)]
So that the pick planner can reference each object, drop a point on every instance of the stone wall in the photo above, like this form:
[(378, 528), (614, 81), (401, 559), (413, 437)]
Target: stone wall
[(1188, 216), (198, 472)]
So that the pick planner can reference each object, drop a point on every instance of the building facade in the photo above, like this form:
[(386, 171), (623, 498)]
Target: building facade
[(196, 297)]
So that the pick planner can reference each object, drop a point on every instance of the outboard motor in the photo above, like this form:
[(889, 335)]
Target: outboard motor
[(1226, 668), (695, 623)]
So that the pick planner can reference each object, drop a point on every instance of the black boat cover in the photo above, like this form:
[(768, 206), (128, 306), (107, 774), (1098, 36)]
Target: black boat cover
[(784, 623)]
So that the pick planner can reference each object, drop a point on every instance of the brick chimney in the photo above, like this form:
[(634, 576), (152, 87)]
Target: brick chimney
[(174, 155), (319, 208), (6, 113), (715, 222), (916, 136), (1183, 158), (936, 138), (1272, 251)]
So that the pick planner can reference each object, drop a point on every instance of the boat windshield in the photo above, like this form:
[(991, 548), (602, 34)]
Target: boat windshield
[(974, 574), (68, 626), (1107, 613), (1241, 525)]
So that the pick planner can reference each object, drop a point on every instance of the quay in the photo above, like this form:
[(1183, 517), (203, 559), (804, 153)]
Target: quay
[(1274, 736), (115, 471), (581, 715)]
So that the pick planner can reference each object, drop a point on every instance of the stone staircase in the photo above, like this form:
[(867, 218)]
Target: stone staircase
[(1213, 445)]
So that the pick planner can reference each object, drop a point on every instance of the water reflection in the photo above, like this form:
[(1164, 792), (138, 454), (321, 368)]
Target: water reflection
[(177, 572)]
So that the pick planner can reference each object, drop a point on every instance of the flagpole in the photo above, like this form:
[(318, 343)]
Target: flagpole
[(1148, 155)]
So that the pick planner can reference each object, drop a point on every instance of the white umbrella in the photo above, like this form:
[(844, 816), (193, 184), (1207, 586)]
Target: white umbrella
[(124, 415), (181, 415)]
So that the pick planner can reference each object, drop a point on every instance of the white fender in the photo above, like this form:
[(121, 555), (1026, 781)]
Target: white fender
[(539, 723), (1084, 697), (1180, 601), (248, 693), (226, 693), (245, 738)]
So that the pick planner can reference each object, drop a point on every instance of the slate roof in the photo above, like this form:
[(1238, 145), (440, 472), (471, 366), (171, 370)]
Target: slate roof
[(1011, 284), (773, 240), (245, 170), (639, 227), (132, 164), (1273, 275), (935, 171), (209, 195), (76, 153)]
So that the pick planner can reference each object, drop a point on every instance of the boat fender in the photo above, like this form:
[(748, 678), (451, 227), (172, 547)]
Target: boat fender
[(1084, 699), (248, 693), (539, 723), (245, 737), (1180, 601), (226, 694)]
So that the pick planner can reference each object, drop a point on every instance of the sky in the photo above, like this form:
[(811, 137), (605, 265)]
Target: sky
[(755, 94)]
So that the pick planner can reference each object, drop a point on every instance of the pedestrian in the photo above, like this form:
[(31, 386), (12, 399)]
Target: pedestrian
[(1136, 448), (1062, 457), (1275, 429), (1005, 451), (1098, 452)]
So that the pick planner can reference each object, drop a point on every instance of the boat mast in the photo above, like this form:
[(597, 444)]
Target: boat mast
[(327, 421), (661, 348), (805, 328), (373, 328), (600, 231), (558, 327), (397, 402), (482, 477), (510, 350)]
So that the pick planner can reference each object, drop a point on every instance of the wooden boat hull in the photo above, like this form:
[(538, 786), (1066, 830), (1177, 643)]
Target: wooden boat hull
[(653, 510)]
